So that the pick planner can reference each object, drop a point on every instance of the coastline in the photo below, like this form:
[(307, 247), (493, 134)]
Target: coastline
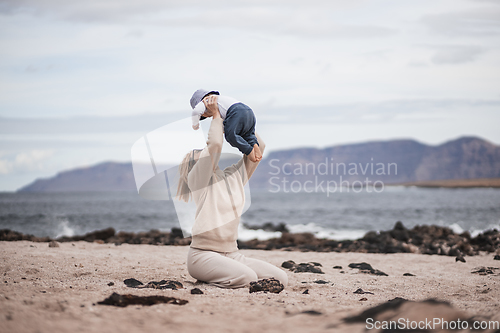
[(58, 289), (454, 183)]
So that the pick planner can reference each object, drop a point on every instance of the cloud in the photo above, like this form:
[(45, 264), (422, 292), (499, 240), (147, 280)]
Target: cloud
[(295, 18), (481, 21), (25, 161), (456, 54)]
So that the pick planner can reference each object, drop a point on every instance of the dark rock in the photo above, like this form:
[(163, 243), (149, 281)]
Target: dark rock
[(363, 299), (111, 284), (196, 291), (367, 268), (306, 291), (288, 264), (412, 311), (125, 300), (103, 235), (337, 267), (272, 285), (312, 312), (164, 284), (399, 232), (408, 274), (307, 268), (321, 282), (392, 304), (484, 270), (53, 244), (312, 267), (362, 266), (132, 283), (460, 258), (268, 226), (361, 291), (497, 257)]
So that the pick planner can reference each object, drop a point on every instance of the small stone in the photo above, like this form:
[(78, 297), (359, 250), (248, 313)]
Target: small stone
[(132, 282), (366, 268), (288, 264), (306, 291), (53, 244), (321, 282), (361, 291), (337, 267), (312, 312), (460, 258), (497, 257), (111, 284), (408, 274), (363, 299), (196, 291)]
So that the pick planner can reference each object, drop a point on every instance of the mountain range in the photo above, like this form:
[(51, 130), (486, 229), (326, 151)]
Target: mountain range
[(390, 162)]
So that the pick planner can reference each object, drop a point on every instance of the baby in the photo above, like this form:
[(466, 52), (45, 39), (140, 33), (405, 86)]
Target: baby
[(239, 122)]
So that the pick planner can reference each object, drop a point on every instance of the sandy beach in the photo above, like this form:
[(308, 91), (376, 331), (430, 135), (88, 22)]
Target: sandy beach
[(57, 289)]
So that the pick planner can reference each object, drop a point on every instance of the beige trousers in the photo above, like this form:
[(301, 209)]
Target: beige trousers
[(230, 269)]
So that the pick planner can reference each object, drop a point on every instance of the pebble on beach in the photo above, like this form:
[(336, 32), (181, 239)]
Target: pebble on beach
[(196, 291), (366, 268), (310, 267)]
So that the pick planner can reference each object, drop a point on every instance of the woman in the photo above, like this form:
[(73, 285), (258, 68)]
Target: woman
[(213, 255)]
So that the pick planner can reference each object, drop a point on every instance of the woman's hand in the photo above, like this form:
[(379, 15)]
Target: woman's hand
[(211, 106)]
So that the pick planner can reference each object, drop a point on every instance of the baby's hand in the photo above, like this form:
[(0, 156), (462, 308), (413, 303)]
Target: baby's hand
[(195, 127)]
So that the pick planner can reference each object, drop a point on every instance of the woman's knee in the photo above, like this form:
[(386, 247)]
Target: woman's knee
[(243, 279), (282, 277)]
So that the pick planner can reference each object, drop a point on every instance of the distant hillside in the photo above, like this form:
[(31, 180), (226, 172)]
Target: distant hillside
[(107, 176), (391, 162), (395, 161)]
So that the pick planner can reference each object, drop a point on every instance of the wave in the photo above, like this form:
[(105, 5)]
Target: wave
[(63, 229)]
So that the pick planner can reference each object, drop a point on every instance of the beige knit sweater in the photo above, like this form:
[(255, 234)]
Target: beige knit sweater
[(219, 194)]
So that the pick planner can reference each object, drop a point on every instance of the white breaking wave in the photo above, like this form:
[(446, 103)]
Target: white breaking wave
[(64, 229), (245, 234), (456, 228), (321, 232)]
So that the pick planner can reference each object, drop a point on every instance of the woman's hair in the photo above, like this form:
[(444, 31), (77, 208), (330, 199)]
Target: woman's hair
[(183, 190)]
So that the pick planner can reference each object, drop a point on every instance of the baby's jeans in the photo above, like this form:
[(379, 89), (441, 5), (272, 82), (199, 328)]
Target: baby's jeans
[(239, 127)]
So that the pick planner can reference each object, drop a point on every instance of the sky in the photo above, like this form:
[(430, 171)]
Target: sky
[(82, 81)]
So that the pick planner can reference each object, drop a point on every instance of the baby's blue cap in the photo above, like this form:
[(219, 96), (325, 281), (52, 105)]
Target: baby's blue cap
[(199, 94)]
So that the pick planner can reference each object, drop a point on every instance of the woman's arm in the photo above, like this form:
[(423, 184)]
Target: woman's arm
[(244, 164), (202, 171), (249, 165)]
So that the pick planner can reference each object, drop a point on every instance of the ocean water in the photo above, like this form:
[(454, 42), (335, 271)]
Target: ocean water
[(340, 215)]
